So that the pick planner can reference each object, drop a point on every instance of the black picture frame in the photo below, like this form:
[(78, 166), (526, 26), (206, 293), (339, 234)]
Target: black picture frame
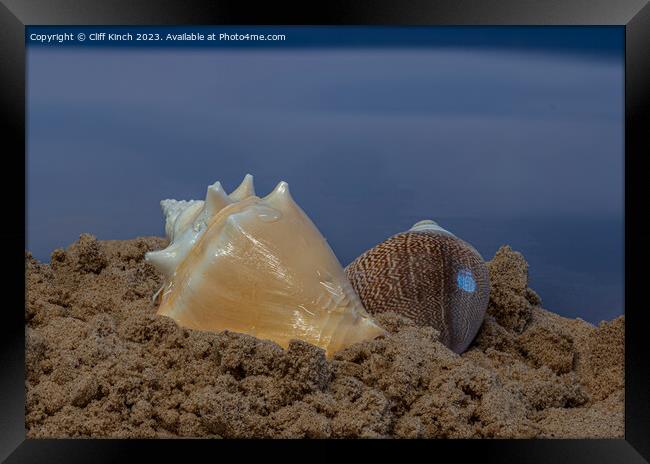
[(15, 15)]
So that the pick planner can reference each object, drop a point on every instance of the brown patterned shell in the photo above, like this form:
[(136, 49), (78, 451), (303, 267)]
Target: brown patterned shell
[(432, 277)]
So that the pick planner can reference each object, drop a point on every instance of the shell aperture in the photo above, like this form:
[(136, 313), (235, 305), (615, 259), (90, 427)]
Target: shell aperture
[(429, 275), (258, 266)]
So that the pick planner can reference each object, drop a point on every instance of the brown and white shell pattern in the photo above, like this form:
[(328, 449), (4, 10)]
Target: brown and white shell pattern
[(428, 275)]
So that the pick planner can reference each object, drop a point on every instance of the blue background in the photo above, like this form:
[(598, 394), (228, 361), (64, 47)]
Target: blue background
[(502, 135)]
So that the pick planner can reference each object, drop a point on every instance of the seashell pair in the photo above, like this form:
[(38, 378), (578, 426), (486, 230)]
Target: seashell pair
[(260, 266)]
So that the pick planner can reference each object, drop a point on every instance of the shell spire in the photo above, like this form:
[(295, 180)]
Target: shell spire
[(178, 215), (427, 225), (185, 221), (171, 208), (181, 214)]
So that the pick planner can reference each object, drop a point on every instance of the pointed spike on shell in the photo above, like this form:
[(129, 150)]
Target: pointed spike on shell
[(284, 288), (165, 260), (279, 197), (216, 199), (245, 189), (169, 259)]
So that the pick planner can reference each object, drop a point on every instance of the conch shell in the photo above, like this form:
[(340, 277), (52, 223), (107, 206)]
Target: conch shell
[(429, 275), (257, 266)]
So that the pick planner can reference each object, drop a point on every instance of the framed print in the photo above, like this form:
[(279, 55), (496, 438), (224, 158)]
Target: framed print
[(417, 226)]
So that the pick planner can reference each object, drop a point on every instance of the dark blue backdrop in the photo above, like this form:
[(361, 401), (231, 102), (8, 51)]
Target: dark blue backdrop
[(503, 135)]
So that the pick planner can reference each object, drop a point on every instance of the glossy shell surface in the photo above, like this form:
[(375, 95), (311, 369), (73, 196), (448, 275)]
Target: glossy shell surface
[(428, 275)]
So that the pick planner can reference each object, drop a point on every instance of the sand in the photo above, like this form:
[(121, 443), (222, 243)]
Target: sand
[(100, 363)]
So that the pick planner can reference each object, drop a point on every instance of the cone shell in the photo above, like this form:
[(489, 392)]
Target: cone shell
[(428, 275), (257, 266)]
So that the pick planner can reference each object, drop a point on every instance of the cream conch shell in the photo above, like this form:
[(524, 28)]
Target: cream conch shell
[(257, 266)]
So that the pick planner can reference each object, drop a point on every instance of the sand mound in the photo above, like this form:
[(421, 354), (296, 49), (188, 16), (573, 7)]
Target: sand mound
[(100, 363)]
